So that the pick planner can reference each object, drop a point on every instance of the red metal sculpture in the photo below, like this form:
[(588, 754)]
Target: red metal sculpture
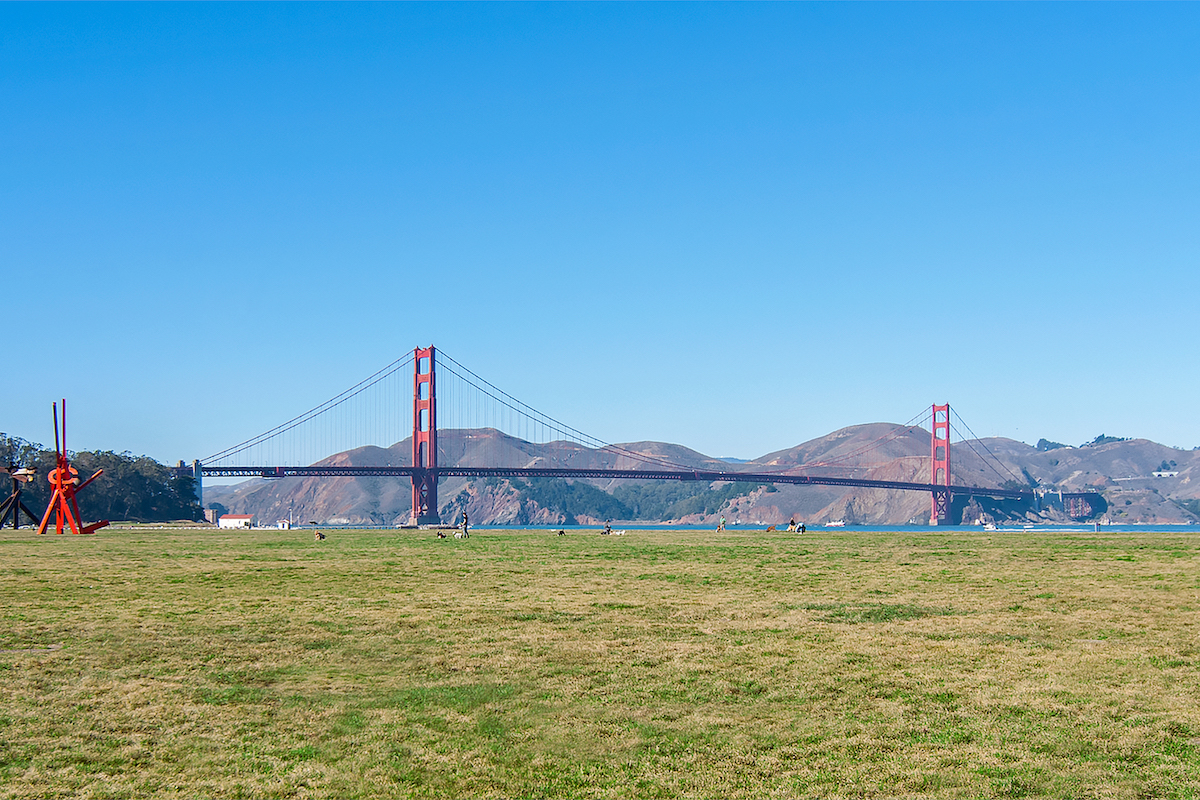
[(65, 480)]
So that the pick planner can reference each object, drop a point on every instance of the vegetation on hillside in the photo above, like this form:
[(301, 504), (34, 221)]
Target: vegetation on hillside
[(663, 500), (569, 499), (658, 501), (135, 488), (1191, 506), (1103, 439)]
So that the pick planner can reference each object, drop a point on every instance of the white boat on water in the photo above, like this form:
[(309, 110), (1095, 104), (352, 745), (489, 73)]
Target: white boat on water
[(836, 523), (990, 526)]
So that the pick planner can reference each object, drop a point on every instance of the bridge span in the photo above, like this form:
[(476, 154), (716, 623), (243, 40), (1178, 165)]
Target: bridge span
[(425, 471), (624, 474)]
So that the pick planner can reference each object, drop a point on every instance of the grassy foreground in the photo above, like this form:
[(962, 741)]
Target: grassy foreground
[(522, 664)]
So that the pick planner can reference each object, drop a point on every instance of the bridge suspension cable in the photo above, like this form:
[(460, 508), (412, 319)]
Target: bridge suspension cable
[(975, 438), (546, 423), (397, 409), (337, 401)]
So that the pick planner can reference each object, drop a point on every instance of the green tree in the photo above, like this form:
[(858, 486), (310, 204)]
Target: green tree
[(569, 499), (135, 488), (16, 452), (663, 500), (1102, 439)]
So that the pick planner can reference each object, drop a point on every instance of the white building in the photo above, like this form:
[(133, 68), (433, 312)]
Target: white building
[(238, 521)]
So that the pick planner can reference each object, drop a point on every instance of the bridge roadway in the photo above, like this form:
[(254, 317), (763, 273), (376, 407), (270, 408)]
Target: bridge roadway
[(629, 474)]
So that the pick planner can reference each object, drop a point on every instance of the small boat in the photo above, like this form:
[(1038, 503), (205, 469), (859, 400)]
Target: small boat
[(836, 523), (990, 526)]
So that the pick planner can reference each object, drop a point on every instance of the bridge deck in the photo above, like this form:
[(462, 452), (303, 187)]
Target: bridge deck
[(625, 474)]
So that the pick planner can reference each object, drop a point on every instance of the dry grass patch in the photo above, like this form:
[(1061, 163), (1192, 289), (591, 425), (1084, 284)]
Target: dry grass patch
[(203, 663)]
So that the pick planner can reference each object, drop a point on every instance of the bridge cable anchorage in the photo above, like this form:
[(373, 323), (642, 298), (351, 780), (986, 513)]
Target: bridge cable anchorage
[(316, 411)]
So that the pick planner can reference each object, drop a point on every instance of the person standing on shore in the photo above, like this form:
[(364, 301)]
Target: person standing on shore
[(464, 524)]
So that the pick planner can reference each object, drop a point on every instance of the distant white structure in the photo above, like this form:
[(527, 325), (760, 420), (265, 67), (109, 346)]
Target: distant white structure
[(1165, 474), (284, 524), (236, 521)]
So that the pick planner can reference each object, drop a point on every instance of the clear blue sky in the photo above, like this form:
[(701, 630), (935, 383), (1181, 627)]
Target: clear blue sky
[(731, 226)]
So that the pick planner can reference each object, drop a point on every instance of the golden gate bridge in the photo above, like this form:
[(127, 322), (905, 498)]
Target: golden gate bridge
[(386, 406)]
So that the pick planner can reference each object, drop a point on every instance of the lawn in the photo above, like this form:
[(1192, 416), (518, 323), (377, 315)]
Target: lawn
[(194, 663)]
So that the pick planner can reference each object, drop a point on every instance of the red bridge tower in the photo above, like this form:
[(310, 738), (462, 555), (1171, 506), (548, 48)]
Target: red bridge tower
[(940, 466), (424, 440)]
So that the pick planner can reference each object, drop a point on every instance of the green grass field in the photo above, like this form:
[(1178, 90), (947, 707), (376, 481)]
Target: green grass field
[(658, 664)]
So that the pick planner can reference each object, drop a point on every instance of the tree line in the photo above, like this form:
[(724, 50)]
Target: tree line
[(133, 488)]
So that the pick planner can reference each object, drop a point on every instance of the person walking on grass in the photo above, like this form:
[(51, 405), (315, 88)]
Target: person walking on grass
[(721, 525)]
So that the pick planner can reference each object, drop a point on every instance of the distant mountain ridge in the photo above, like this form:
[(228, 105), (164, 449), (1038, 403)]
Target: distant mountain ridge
[(1121, 470)]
